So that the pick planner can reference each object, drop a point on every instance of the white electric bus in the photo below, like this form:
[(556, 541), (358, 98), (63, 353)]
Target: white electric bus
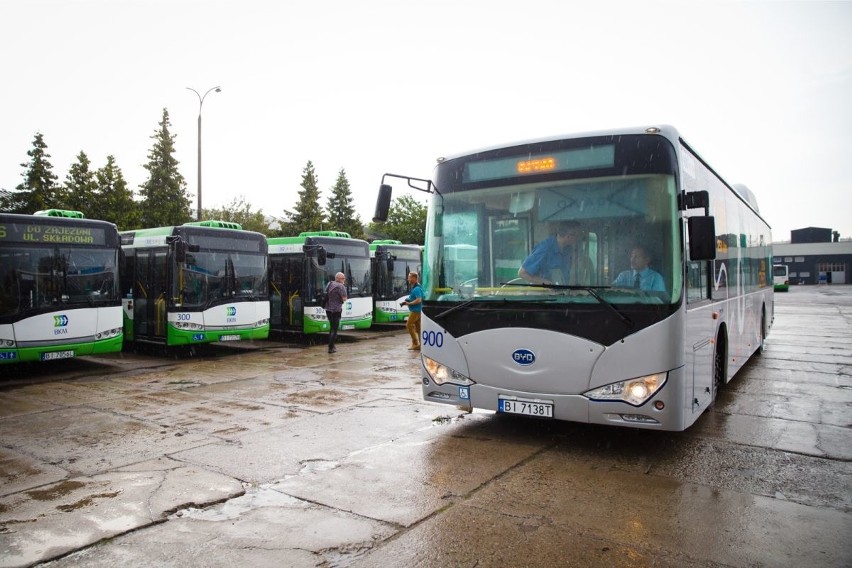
[(578, 342), (58, 287)]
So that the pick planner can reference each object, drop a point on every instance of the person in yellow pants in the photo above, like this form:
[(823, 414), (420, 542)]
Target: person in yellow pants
[(414, 301)]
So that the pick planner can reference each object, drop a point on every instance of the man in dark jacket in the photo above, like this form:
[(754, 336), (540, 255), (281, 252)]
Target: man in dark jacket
[(336, 293)]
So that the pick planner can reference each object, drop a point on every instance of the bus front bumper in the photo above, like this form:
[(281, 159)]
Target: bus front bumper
[(568, 407)]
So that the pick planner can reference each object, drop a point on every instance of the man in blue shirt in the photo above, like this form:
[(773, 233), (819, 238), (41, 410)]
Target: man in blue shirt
[(551, 254), (414, 301), (639, 276)]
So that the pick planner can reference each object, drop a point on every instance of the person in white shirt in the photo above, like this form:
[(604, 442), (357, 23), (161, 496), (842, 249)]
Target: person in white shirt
[(640, 276)]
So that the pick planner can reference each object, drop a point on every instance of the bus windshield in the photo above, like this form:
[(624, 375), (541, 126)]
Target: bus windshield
[(43, 278), (356, 269), (210, 277), (394, 264), (574, 240)]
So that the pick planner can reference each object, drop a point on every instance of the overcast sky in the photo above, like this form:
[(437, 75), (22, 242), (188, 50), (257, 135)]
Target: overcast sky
[(762, 90)]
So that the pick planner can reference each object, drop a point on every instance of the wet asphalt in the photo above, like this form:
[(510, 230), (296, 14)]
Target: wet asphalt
[(279, 454)]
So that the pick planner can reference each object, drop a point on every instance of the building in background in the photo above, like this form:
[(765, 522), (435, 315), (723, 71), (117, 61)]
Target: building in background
[(815, 255)]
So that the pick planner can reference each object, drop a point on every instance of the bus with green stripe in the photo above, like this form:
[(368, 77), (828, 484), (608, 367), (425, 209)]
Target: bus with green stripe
[(299, 270), (391, 262), (193, 284), (59, 295)]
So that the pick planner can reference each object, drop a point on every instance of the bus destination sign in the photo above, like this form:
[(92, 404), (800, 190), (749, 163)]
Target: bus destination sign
[(41, 233)]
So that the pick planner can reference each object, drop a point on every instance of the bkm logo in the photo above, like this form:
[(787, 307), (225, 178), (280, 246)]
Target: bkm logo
[(232, 311), (60, 321)]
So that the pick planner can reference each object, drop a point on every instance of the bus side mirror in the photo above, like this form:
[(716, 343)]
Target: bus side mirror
[(390, 263), (383, 203), (321, 256), (702, 238), (180, 251)]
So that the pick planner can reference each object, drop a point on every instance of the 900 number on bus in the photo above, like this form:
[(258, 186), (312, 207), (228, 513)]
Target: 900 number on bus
[(525, 407)]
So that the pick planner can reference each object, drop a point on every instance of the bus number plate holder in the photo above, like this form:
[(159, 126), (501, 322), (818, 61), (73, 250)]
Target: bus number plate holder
[(53, 355), (540, 408)]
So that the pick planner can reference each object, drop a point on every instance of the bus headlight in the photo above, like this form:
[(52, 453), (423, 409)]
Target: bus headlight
[(114, 332), (441, 374), (7, 343), (634, 391)]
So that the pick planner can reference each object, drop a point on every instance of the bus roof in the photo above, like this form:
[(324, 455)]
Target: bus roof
[(216, 224), (339, 234), (156, 236), (60, 213), (288, 245), (666, 130)]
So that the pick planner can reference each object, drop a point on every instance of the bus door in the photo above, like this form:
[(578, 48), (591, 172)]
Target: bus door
[(285, 297), (149, 294)]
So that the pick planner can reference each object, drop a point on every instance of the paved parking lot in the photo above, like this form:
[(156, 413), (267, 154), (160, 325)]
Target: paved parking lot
[(279, 454)]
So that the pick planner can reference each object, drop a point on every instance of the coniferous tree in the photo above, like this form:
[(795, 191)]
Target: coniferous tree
[(308, 215), (164, 197), (406, 222), (341, 212), (114, 200), (80, 186), (39, 189)]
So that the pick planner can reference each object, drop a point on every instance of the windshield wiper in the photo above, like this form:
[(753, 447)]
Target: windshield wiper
[(454, 308), (591, 290)]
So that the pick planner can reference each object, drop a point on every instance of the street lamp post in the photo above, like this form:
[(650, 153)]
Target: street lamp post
[(200, 103)]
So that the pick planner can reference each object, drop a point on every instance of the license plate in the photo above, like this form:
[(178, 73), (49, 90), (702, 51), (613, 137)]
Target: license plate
[(347, 327), (229, 338), (56, 355), (526, 407)]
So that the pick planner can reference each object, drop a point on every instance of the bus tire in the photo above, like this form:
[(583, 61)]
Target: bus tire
[(762, 346), (720, 365)]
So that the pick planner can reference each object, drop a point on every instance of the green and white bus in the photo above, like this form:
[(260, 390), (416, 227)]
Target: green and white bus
[(577, 342), (58, 287), (781, 277), (299, 269), (391, 263), (193, 284)]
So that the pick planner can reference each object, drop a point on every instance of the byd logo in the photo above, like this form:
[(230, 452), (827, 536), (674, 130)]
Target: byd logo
[(60, 321), (523, 357), (232, 311)]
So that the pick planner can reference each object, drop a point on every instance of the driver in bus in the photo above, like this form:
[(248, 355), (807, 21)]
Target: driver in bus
[(551, 255), (640, 275)]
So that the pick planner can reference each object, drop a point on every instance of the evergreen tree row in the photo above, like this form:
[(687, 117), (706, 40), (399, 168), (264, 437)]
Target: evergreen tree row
[(163, 198)]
